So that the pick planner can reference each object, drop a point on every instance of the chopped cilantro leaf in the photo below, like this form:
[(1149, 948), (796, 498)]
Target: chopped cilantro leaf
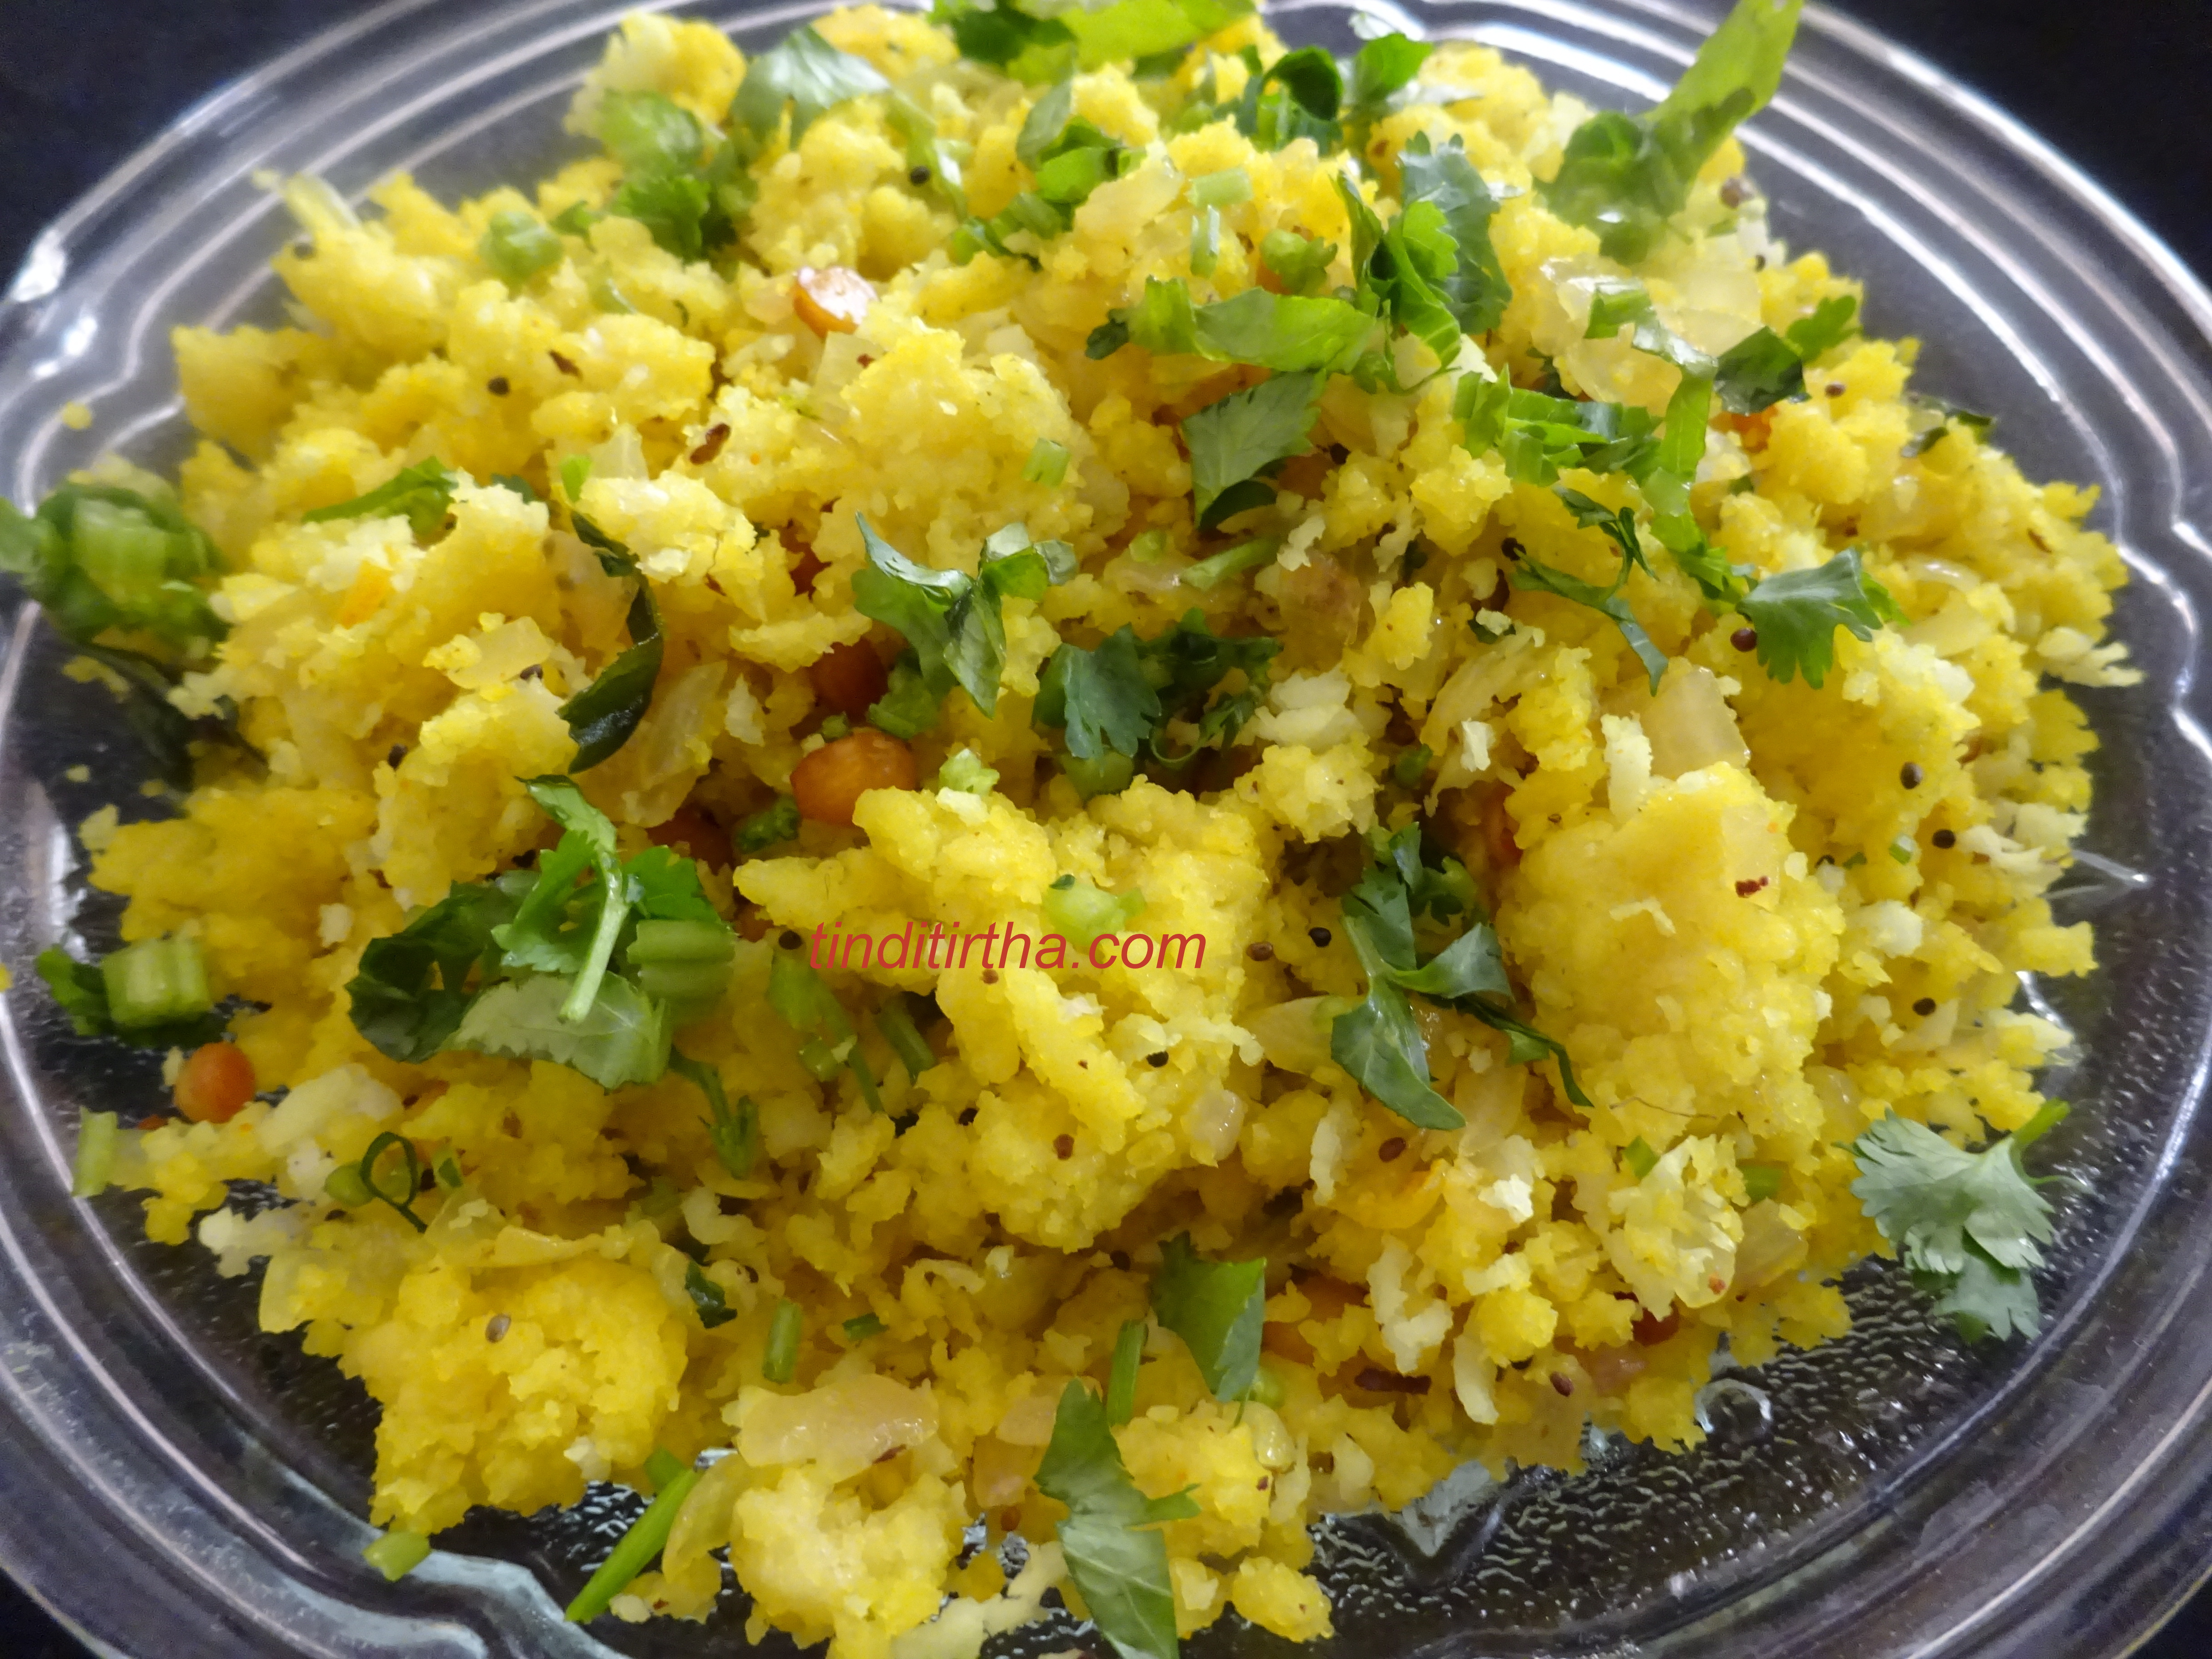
[(953, 621), (1102, 695), (1285, 333), (1381, 69), (926, 155), (1832, 322), (1296, 96), (648, 132), (1796, 615), (1115, 702), (1117, 1558), (1216, 1307), (1379, 1041), (706, 1297), (1758, 372), (1070, 158), (1619, 525), (1968, 1225), (908, 707), (673, 206), (1626, 176), (805, 75), (769, 827), (1234, 443), (621, 1037), (1473, 288)]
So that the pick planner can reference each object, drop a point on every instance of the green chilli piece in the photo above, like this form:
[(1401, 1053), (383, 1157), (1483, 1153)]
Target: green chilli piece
[(156, 979), (781, 1362), (397, 1553), (97, 1138), (648, 1536)]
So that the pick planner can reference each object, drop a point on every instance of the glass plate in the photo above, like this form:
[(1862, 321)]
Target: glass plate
[(177, 1484)]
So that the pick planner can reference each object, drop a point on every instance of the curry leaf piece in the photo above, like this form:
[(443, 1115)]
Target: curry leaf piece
[(621, 1037), (603, 716), (1246, 434), (1474, 289), (1796, 615), (805, 74), (1217, 1309), (707, 1297), (421, 494), (1471, 965), (1118, 1561), (1380, 1045), (1626, 176)]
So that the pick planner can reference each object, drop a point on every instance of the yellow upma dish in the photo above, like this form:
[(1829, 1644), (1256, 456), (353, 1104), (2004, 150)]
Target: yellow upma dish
[(1598, 724)]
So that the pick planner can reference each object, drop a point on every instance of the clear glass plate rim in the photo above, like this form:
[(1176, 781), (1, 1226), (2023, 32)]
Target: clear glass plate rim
[(37, 277), (85, 219)]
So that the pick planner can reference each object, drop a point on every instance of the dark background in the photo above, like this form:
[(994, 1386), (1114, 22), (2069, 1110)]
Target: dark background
[(2122, 89)]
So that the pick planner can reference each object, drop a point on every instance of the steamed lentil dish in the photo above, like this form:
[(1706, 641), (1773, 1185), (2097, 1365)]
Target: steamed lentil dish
[(1580, 743)]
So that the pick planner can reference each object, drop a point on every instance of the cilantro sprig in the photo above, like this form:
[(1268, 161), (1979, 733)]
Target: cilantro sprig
[(1624, 177), (1110, 1536), (588, 961), (690, 185), (953, 623), (1969, 1226), (1795, 615), (1379, 1041)]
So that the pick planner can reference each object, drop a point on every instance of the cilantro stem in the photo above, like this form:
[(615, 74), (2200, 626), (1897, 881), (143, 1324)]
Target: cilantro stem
[(646, 1537), (896, 1021), (1210, 573), (612, 910), (411, 1182)]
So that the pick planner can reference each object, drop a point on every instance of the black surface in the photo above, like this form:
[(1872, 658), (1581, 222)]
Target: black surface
[(2120, 89)]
